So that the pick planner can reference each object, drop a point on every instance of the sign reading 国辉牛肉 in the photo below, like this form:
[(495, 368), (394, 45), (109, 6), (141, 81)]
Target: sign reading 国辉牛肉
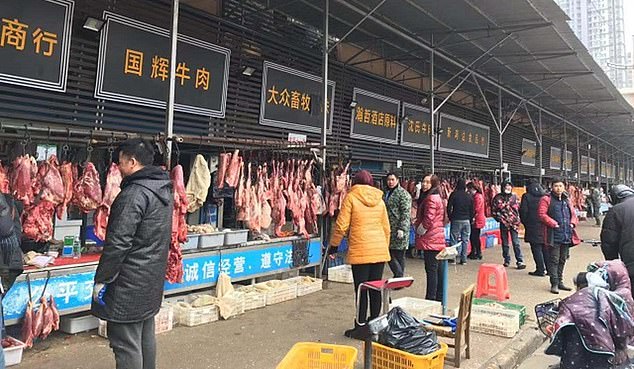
[(35, 42), (134, 65)]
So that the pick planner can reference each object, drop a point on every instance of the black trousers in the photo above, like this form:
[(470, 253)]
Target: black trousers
[(133, 344), (557, 256), (540, 257), (433, 270), (364, 273), (476, 245), (397, 262)]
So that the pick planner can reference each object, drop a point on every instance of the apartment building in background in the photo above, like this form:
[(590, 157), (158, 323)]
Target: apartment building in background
[(600, 25)]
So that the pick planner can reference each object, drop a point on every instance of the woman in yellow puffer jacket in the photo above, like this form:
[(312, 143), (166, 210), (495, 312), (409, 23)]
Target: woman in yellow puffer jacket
[(364, 215)]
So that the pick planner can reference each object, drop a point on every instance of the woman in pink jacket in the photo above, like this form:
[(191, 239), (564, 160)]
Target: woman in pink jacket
[(479, 220), (430, 234)]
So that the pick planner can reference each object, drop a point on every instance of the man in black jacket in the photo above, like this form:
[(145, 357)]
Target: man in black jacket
[(532, 226), (129, 280), (460, 211), (617, 234)]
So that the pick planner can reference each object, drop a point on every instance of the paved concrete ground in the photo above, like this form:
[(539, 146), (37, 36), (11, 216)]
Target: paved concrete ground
[(539, 360), (261, 338)]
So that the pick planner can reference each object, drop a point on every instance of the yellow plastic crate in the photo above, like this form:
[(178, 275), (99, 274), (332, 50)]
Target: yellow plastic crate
[(307, 355), (384, 357)]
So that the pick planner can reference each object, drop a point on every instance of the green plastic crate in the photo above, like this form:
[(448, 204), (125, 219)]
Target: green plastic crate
[(506, 305)]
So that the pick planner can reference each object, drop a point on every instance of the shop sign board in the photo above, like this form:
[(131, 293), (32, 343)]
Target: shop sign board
[(461, 136), (375, 118), (133, 68), (529, 152), (555, 158), (604, 169), (416, 126), (584, 164), (35, 42), (593, 166), (621, 174), (293, 99), (568, 160), (73, 291)]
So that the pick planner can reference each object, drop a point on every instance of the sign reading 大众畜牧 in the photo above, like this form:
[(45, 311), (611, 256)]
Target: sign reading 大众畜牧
[(592, 166), (416, 126), (35, 42), (584, 164), (529, 152), (375, 117), (555, 158), (293, 99), (134, 67), (568, 160), (463, 137)]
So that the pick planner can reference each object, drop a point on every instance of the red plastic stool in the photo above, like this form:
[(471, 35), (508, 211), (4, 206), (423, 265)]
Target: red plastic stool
[(499, 288)]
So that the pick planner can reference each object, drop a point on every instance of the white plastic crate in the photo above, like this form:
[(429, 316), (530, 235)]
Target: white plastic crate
[(163, 321), (306, 285), (189, 316), (418, 308), (277, 291), (497, 322), (13, 354), (341, 274), (253, 298), (237, 302)]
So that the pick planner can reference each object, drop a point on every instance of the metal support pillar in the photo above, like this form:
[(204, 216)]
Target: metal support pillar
[(565, 155), (169, 111), (541, 148), (500, 130), (324, 126), (433, 116), (578, 157)]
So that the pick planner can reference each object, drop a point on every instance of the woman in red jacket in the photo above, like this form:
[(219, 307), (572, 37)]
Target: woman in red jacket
[(479, 220), (430, 234)]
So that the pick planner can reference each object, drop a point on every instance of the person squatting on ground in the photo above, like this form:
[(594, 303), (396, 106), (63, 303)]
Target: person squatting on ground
[(430, 234), (399, 204), (460, 211), (533, 233), (505, 208), (479, 220), (617, 234), (595, 324), (559, 219), (363, 216), (129, 280)]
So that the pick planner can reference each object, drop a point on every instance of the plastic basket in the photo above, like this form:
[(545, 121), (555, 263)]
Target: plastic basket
[(192, 316), (163, 322), (384, 357), (253, 299), (341, 274), (280, 294), (306, 355), (418, 308), (502, 305), (236, 301), (13, 354), (494, 321), (306, 287)]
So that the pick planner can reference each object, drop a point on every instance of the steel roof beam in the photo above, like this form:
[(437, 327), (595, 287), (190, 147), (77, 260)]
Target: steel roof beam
[(484, 29), (366, 16)]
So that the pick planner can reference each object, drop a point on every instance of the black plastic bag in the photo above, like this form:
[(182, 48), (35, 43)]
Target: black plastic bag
[(406, 333)]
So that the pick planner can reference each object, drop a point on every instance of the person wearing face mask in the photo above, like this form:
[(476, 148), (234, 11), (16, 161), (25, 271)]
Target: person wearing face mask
[(479, 220), (559, 219), (399, 204), (505, 208), (430, 234)]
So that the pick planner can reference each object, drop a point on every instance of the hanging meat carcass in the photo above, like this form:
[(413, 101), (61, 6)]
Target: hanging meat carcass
[(254, 206), (233, 171), (264, 194), (198, 184), (223, 165), (4, 179), (48, 318), (23, 178), (338, 188), (50, 181), (174, 273), (278, 211), (37, 221), (68, 171), (27, 325), (113, 187), (87, 193), (53, 306), (240, 197)]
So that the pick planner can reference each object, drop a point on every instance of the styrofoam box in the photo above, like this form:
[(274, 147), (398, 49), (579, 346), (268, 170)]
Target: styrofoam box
[(13, 354), (77, 324)]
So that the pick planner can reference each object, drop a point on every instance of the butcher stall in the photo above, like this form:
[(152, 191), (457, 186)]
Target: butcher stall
[(251, 211)]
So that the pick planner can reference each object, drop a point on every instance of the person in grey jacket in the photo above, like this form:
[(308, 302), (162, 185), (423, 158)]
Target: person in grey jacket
[(129, 280), (399, 207)]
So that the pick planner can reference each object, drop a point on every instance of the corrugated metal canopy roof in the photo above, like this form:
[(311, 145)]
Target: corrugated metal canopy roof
[(541, 50)]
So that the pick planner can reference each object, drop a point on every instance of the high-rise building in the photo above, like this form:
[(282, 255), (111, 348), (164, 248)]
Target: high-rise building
[(600, 25)]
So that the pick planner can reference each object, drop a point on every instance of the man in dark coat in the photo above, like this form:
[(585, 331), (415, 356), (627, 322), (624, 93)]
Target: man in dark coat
[(617, 234), (533, 231), (129, 280), (595, 196), (460, 211)]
